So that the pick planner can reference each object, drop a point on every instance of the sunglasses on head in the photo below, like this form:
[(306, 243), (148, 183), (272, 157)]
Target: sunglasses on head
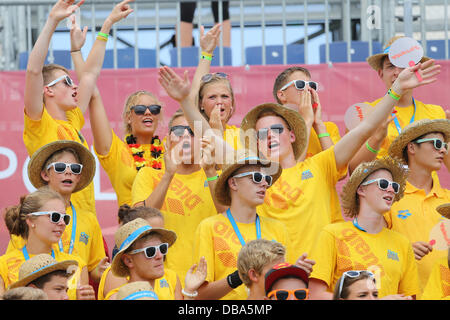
[(209, 76), (150, 251), (276, 128), (352, 274), (179, 130), (438, 143), (66, 78), (60, 167), (55, 217), (301, 84), (282, 294), (256, 176), (140, 109), (383, 184)]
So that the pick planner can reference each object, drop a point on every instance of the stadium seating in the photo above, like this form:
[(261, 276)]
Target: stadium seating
[(125, 58), (189, 57), (61, 57), (359, 51), (436, 49), (274, 54)]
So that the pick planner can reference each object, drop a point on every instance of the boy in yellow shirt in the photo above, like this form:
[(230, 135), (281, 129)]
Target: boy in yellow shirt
[(422, 146), (54, 104)]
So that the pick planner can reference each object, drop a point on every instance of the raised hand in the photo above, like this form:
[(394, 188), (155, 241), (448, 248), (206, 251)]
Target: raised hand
[(64, 8), (176, 87), (120, 11), (194, 279), (77, 36), (305, 107), (407, 79), (305, 264), (210, 40), (317, 106), (207, 159), (169, 161)]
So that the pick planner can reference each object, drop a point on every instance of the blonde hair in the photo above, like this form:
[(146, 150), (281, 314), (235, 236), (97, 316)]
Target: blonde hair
[(257, 254), (131, 101), (127, 213), (15, 216), (203, 85), (48, 71), (25, 293)]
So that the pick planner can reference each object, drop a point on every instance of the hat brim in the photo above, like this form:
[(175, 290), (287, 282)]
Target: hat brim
[(375, 60), (415, 130), (292, 117), (64, 266), (221, 191), (38, 159), (119, 269), (349, 197), (275, 274), (444, 210)]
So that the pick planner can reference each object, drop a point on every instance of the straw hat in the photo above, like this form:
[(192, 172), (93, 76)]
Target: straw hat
[(138, 290), (349, 198), (444, 209), (292, 117), (415, 130), (39, 266), (375, 60), (129, 233), (38, 159), (244, 157)]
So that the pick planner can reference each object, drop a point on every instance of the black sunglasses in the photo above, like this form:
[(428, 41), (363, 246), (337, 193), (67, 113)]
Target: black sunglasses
[(140, 109), (179, 130), (276, 128)]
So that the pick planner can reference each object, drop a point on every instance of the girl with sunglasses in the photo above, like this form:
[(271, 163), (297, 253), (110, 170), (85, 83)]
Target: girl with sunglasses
[(181, 190), (67, 167), (54, 105), (41, 219), (364, 242), (423, 147), (356, 285)]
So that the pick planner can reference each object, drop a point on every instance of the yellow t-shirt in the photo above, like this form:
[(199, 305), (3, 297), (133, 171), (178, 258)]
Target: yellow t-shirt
[(10, 264), (120, 167), (216, 240), (164, 286), (88, 238), (187, 202), (302, 199), (38, 133), (415, 216), (314, 146), (438, 285), (231, 136), (388, 254), (404, 115)]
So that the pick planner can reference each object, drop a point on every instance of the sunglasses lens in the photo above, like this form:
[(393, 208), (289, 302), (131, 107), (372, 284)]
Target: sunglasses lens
[(155, 109), (352, 273), (139, 110), (262, 134), (178, 131), (269, 180), (75, 168), (150, 252), (221, 74), (313, 85), (66, 219), (300, 84), (384, 184), (282, 295), (59, 167), (163, 247), (69, 81), (277, 128), (55, 216), (257, 177), (395, 186), (300, 294)]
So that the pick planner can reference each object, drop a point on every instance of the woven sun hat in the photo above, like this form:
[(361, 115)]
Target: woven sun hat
[(292, 117), (349, 198), (415, 130), (444, 209), (40, 157), (129, 233), (138, 290), (39, 266), (243, 157), (375, 60)]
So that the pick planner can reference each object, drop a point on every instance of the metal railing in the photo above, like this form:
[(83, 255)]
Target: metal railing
[(336, 20)]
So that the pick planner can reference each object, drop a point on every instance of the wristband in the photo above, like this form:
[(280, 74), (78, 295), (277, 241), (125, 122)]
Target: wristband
[(371, 149), (204, 53), (321, 135), (234, 280), (394, 95), (101, 34), (189, 295), (206, 57), (102, 38), (212, 178)]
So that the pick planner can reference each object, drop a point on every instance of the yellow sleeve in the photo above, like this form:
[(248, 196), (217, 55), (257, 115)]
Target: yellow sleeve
[(333, 130), (204, 247), (76, 118), (324, 253), (143, 185), (97, 250)]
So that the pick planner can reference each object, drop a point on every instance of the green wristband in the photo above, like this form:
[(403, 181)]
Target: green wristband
[(206, 57), (371, 149), (103, 35), (394, 95), (212, 178), (321, 135)]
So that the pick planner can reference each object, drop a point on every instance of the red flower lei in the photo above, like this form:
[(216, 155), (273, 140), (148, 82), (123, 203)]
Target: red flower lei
[(138, 152)]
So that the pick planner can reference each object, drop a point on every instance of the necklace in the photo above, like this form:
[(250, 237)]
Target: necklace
[(236, 229), (138, 152)]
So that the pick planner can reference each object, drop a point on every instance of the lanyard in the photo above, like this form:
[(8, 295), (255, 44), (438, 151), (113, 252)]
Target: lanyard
[(355, 223), (27, 256), (74, 231), (397, 124), (236, 229)]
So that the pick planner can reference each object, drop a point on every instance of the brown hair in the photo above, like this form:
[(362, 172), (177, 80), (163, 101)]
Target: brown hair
[(15, 216), (131, 101), (55, 156), (127, 214), (280, 81), (25, 293), (348, 281), (203, 85), (177, 114)]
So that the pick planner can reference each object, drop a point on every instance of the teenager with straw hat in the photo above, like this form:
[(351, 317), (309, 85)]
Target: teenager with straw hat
[(422, 146), (141, 258), (364, 243), (407, 110), (40, 219), (438, 285), (44, 272), (138, 290), (242, 186), (67, 167)]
